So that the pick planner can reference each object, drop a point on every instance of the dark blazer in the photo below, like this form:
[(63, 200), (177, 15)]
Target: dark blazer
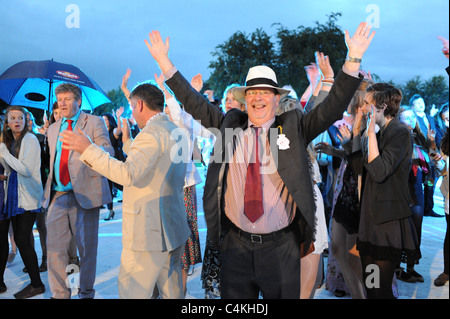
[(293, 163), (385, 193)]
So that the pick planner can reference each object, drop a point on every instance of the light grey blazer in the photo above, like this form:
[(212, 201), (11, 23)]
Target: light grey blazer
[(90, 188), (154, 216)]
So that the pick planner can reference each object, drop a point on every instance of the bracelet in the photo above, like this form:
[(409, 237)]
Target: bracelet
[(353, 59), (328, 81)]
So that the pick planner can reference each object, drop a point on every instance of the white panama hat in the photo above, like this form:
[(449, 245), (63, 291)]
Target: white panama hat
[(260, 76)]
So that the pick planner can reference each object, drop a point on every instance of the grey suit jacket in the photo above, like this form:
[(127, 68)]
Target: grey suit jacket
[(154, 216), (90, 188)]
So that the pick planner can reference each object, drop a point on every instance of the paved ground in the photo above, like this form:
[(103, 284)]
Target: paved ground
[(110, 236)]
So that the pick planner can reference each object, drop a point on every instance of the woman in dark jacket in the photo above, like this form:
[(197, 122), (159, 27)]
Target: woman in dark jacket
[(386, 233)]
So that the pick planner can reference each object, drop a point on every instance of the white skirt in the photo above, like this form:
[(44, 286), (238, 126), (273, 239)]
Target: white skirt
[(321, 242)]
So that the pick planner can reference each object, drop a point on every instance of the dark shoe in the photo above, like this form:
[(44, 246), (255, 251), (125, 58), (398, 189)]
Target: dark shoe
[(3, 288), (404, 276), (110, 215), (431, 213), (441, 280), (339, 293), (43, 266), (414, 274), (29, 291)]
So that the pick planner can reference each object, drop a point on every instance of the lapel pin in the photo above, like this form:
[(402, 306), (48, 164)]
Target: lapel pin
[(282, 141)]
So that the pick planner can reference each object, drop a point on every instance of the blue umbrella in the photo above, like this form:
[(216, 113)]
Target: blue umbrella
[(33, 83)]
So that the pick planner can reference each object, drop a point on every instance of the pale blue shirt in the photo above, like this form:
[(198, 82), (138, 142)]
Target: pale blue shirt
[(57, 185)]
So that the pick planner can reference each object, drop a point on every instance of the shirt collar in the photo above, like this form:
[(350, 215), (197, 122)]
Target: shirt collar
[(264, 126), (74, 118)]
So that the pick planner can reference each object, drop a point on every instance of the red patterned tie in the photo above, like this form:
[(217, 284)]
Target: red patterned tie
[(64, 176), (253, 198)]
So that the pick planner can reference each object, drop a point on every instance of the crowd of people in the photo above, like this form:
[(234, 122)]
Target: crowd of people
[(346, 169)]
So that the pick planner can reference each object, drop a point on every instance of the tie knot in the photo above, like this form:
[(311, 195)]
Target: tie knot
[(69, 122), (256, 129)]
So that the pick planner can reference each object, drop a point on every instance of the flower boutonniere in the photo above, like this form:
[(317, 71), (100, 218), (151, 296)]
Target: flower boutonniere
[(282, 141)]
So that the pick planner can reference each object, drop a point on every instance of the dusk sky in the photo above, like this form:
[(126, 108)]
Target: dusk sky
[(104, 38)]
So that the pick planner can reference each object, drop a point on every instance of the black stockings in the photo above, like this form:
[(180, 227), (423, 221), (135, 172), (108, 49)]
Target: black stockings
[(22, 227), (378, 276)]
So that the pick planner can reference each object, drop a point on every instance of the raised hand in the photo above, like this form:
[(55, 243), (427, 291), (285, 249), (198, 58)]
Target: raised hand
[(159, 50), (323, 61), (197, 82), (160, 81), (360, 41), (124, 85), (444, 46), (356, 129), (126, 135)]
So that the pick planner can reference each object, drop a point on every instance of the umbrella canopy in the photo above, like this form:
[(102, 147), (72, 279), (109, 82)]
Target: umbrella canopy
[(33, 83)]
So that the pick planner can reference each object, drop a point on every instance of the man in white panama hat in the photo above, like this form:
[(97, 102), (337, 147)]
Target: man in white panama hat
[(266, 221)]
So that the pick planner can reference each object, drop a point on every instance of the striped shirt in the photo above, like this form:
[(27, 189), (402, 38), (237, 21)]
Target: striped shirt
[(279, 206)]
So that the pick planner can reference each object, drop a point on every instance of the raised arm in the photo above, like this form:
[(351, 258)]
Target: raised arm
[(357, 46), (124, 85), (193, 102)]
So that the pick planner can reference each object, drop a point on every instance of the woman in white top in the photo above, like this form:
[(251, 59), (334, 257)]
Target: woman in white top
[(192, 129), (21, 152)]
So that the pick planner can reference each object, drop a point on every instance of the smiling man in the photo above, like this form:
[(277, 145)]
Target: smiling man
[(266, 220)]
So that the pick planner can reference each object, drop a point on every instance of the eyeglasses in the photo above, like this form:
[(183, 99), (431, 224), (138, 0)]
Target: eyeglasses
[(253, 93)]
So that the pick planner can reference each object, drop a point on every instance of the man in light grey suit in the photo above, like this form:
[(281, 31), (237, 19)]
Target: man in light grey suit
[(73, 195), (154, 225)]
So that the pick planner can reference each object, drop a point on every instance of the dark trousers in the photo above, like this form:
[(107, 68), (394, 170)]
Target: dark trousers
[(446, 258), (22, 225), (249, 268)]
